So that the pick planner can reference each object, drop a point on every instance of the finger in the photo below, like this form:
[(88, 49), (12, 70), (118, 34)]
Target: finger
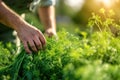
[(49, 34), (32, 45), (26, 47), (42, 39), (38, 43)]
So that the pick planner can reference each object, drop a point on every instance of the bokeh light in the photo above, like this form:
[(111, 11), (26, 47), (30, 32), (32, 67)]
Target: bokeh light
[(106, 3)]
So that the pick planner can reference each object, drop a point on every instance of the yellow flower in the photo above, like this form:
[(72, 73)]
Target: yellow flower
[(102, 10)]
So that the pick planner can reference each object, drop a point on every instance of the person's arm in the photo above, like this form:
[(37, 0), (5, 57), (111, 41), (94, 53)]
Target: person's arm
[(47, 16), (28, 34)]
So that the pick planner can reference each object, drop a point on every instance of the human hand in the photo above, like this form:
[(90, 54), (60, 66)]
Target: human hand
[(31, 37), (50, 32)]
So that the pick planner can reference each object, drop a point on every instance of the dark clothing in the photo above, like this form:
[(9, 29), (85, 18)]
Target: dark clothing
[(18, 6)]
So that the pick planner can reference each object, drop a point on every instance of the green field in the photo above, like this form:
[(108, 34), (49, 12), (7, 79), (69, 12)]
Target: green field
[(84, 55)]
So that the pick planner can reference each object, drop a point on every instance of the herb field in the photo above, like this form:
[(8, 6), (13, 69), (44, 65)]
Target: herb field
[(91, 56)]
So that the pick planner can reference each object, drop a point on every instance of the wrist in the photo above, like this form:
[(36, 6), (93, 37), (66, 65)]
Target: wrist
[(19, 24)]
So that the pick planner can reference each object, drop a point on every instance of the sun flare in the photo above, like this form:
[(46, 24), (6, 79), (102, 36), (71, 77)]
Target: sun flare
[(107, 3)]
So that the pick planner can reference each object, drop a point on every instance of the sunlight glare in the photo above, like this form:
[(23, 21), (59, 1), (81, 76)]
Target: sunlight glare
[(107, 3), (77, 4)]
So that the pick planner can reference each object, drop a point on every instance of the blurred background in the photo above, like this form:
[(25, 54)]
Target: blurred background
[(73, 14)]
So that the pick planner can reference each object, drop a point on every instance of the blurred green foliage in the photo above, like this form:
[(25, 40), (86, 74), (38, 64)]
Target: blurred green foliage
[(68, 58), (81, 17), (89, 55)]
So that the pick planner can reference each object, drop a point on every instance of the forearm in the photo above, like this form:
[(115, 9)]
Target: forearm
[(47, 16), (9, 17), (28, 34)]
